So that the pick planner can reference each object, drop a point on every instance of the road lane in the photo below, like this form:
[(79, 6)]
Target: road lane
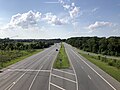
[(88, 79), (33, 62)]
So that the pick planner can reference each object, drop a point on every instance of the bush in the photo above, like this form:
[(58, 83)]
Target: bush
[(118, 64), (98, 57), (111, 63)]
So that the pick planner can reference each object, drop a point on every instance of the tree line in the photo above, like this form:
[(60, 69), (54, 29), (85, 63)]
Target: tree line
[(100, 45), (10, 44), (11, 49)]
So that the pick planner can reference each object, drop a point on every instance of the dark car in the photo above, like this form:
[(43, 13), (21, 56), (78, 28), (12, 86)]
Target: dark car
[(1, 71), (56, 49)]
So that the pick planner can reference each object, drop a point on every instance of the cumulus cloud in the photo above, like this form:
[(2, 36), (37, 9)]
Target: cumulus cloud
[(32, 19), (98, 24), (73, 10), (24, 20), (53, 19)]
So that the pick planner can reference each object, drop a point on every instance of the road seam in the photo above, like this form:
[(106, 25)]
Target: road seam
[(94, 71), (27, 70), (38, 73)]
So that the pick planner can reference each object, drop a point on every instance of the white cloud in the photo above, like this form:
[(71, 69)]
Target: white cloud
[(24, 20), (74, 12), (72, 9), (98, 24), (66, 6), (32, 19), (53, 19), (73, 4)]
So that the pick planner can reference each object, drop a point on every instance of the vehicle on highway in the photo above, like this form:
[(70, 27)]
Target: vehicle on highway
[(1, 71), (56, 49)]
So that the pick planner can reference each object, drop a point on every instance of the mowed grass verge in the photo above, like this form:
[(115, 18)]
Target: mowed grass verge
[(61, 61), (25, 55), (112, 71)]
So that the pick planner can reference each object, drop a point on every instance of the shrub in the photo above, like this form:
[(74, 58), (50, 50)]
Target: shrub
[(111, 63), (118, 64)]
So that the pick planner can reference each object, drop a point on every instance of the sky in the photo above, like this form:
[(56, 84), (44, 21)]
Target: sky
[(52, 19)]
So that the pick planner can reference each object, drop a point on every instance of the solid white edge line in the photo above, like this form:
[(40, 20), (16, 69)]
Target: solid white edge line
[(51, 71), (57, 86), (73, 69), (64, 71), (94, 71), (64, 78)]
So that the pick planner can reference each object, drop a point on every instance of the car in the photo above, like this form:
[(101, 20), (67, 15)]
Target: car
[(56, 49), (1, 71)]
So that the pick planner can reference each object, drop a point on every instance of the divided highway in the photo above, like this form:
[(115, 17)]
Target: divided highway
[(36, 73)]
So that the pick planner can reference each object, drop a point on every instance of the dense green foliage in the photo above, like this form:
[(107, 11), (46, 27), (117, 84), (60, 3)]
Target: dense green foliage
[(106, 46), (11, 49), (105, 64), (10, 57), (8, 44), (62, 61)]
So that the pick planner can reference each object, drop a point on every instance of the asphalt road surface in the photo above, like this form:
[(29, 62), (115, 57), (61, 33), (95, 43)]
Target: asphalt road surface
[(89, 76), (31, 73), (36, 73)]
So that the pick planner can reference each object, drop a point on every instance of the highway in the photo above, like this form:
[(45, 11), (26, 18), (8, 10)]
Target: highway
[(36, 73), (89, 76), (31, 73)]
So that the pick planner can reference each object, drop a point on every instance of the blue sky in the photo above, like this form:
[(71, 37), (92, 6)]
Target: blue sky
[(46, 19)]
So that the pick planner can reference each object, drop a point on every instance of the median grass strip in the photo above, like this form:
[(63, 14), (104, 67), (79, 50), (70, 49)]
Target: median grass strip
[(61, 61), (24, 55), (113, 71)]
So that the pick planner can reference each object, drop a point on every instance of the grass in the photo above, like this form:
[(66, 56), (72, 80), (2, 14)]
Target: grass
[(64, 64), (113, 71), (25, 54), (94, 54)]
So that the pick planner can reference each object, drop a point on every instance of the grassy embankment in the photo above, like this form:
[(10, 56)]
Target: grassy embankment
[(10, 57), (64, 64), (110, 66)]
